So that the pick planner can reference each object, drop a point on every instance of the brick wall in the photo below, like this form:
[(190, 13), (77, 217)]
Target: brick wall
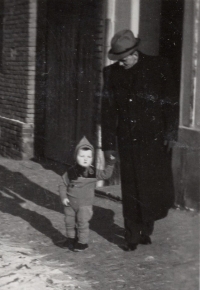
[(17, 79), (99, 57)]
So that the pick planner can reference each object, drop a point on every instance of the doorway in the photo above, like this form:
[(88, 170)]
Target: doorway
[(171, 35), (72, 73)]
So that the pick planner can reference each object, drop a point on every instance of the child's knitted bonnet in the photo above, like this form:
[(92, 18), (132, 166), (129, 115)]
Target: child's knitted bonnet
[(84, 143)]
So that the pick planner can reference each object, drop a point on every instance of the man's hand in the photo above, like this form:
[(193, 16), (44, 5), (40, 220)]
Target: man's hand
[(65, 201), (169, 145)]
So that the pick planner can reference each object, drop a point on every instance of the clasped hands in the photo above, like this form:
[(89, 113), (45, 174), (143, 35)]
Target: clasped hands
[(110, 154)]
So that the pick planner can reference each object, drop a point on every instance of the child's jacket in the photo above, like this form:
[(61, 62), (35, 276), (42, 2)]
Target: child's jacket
[(79, 183)]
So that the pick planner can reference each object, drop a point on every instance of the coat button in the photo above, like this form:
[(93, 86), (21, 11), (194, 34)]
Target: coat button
[(130, 100)]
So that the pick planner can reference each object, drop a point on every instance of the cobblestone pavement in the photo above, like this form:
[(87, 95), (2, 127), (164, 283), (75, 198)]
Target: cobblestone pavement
[(32, 229)]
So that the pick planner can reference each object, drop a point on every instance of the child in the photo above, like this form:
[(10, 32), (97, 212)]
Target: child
[(77, 194)]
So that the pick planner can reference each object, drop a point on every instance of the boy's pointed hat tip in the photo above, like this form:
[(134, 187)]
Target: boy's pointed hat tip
[(84, 143)]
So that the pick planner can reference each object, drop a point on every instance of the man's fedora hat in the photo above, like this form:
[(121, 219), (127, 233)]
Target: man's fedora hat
[(123, 44)]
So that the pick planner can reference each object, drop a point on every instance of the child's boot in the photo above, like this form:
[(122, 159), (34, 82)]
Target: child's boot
[(79, 247), (69, 243)]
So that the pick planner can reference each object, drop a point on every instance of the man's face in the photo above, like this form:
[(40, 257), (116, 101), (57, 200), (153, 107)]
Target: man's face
[(129, 61), (84, 157)]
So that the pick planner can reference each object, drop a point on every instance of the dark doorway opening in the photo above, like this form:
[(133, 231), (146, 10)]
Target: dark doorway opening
[(171, 34), (69, 59)]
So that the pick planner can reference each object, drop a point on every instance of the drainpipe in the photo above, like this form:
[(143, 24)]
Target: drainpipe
[(109, 32), (135, 17), (109, 28)]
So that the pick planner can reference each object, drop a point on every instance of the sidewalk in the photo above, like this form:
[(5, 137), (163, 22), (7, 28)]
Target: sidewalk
[(32, 229)]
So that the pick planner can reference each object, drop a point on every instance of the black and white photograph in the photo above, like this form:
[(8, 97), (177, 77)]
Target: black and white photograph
[(99, 144)]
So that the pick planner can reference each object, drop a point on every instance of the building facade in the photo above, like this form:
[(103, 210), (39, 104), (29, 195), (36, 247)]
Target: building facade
[(17, 78), (51, 57)]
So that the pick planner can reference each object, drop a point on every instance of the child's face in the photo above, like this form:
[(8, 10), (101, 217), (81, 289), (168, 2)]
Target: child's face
[(84, 157)]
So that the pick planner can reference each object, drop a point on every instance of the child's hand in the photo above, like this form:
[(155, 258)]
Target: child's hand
[(65, 201)]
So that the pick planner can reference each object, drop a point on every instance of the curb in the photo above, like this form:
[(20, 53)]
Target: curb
[(112, 192)]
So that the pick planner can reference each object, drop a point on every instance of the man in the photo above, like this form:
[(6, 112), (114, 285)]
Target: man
[(139, 107)]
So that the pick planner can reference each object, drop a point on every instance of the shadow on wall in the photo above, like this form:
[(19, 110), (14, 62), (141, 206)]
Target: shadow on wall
[(15, 189)]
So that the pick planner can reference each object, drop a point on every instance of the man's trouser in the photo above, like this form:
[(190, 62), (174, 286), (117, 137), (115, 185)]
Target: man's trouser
[(134, 230), (78, 220)]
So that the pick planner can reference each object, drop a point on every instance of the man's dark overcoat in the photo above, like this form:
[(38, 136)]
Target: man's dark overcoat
[(139, 106)]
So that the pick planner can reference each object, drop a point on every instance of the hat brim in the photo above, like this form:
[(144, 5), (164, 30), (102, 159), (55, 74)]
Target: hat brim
[(118, 56)]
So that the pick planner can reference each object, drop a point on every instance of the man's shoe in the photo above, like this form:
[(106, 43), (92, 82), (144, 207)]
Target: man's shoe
[(130, 247), (69, 243), (80, 247), (145, 240)]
